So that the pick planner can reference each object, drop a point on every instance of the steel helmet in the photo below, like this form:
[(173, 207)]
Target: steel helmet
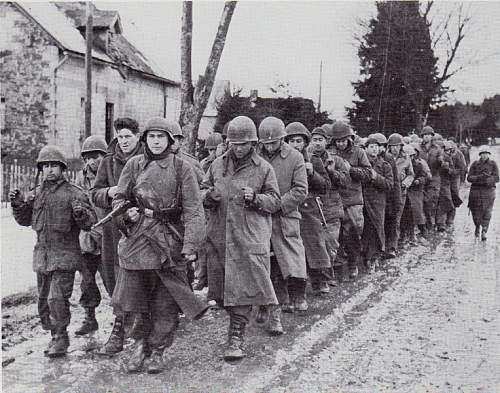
[(409, 150), (417, 147), (170, 127), (297, 128), (437, 137), (241, 130), (51, 153), (327, 128), (381, 139), (406, 140), (395, 139), (427, 130), (448, 145), (94, 143), (340, 130), (271, 129), (371, 140), (213, 140), (414, 138), (484, 149), (319, 131)]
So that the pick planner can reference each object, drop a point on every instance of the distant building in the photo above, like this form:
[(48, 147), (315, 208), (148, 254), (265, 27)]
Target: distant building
[(42, 80)]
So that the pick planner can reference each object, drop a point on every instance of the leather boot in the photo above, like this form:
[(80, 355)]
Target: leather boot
[(115, 340), (89, 324), (301, 304), (261, 315), (275, 328), (234, 348), (51, 342), (140, 352), (60, 345), (483, 233), (156, 364)]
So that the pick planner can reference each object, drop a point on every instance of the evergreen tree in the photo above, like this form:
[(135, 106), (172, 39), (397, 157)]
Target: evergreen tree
[(399, 78)]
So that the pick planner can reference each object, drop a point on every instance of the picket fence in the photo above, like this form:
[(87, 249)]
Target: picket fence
[(23, 178)]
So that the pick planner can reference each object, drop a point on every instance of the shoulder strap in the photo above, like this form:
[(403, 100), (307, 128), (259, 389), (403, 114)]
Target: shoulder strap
[(178, 181)]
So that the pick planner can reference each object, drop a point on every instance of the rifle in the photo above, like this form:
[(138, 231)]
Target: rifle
[(320, 207), (117, 211)]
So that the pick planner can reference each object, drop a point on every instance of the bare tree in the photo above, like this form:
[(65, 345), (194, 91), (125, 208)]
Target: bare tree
[(192, 107), (448, 31)]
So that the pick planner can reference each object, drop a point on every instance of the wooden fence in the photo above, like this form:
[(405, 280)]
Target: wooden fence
[(23, 178)]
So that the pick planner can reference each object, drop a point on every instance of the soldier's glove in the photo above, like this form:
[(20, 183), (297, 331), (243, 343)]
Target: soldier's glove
[(79, 210), (356, 174), (16, 198)]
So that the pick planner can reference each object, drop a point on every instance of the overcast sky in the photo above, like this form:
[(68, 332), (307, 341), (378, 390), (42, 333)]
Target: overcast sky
[(287, 40)]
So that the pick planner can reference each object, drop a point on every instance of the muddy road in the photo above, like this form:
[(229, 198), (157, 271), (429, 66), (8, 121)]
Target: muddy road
[(428, 321)]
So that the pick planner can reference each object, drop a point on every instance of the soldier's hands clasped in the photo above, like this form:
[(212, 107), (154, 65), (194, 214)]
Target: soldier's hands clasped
[(248, 194), (133, 214)]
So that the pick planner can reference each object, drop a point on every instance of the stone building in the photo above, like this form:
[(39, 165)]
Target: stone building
[(42, 74)]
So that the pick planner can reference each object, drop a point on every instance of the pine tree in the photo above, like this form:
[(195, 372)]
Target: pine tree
[(399, 78)]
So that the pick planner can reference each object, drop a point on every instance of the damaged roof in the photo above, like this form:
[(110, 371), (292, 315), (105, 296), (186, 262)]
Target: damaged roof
[(65, 22)]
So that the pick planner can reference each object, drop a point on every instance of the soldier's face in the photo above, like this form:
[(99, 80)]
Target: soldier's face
[(271, 147), (157, 141), (297, 142), (51, 171), (342, 143), (427, 138), (484, 156), (127, 140), (381, 149), (318, 143), (372, 149), (240, 150), (395, 149), (92, 160)]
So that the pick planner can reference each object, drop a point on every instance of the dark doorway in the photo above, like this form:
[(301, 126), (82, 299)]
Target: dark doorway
[(110, 109)]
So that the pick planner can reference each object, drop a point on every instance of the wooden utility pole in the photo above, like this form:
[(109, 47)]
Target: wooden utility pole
[(88, 70), (320, 84)]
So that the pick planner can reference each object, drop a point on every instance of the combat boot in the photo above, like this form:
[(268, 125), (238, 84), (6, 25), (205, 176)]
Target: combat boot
[(115, 340), (140, 352), (324, 288), (483, 233), (262, 315), (477, 232), (301, 304), (234, 348), (60, 345), (51, 342), (156, 364), (89, 324), (275, 328)]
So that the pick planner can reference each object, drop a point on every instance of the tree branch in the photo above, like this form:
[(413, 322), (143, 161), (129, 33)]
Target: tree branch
[(186, 45)]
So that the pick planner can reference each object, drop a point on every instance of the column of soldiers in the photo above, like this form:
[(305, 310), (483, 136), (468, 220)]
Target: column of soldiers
[(271, 209)]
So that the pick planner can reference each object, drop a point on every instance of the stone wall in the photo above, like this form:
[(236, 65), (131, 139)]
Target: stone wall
[(27, 60)]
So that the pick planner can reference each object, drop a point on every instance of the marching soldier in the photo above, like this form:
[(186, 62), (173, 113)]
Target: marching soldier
[(483, 176), (211, 144), (432, 153), (413, 215), (331, 203), (446, 202), (125, 146), (288, 266), (242, 193), (93, 150), (176, 149), (375, 192), (56, 210), (352, 195), (155, 247), (405, 177)]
